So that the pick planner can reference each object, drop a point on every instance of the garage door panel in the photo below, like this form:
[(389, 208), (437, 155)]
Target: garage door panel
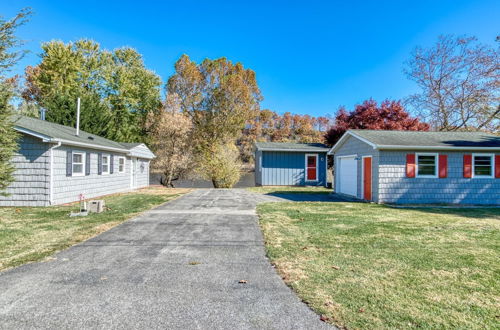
[(348, 176)]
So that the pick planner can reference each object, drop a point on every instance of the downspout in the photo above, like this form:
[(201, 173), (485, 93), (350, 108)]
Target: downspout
[(51, 172)]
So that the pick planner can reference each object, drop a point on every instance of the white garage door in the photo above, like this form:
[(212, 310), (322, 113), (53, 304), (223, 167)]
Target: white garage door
[(348, 176)]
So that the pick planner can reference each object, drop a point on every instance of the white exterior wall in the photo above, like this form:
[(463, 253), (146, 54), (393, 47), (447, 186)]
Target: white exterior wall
[(68, 188), (142, 173), (31, 185)]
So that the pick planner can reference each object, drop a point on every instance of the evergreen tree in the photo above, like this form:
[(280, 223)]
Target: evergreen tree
[(8, 57)]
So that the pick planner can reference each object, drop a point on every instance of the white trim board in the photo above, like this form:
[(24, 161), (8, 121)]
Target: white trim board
[(436, 165), (317, 167), (492, 166)]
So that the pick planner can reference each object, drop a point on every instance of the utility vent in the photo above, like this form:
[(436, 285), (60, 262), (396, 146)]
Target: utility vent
[(96, 206)]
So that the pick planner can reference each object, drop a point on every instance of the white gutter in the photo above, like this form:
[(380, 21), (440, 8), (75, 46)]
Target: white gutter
[(396, 147), (51, 173), (291, 150), (45, 138), (90, 146)]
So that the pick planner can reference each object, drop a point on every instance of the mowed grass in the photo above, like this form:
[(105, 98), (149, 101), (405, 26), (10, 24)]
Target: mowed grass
[(33, 234), (368, 266), (289, 190)]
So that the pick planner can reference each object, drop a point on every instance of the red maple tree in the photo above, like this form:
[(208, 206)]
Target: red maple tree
[(390, 115)]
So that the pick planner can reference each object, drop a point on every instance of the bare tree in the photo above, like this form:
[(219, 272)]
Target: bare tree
[(460, 82), (169, 132)]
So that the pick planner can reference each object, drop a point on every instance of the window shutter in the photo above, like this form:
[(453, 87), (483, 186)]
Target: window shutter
[(99, 163), (443, 166), (87, 163), (69, 165), (497, 166), (111, 164), (410, 165), (467, 166)]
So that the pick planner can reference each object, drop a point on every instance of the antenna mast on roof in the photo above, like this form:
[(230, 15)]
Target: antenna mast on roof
[(78, 117)]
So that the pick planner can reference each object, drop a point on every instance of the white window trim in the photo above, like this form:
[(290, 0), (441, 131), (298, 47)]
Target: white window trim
[(108, 163), (492, 166), (436, 164), (124, 164), (317, 167), (84, 155)]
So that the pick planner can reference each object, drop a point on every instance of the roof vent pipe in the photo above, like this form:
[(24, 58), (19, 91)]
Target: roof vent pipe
[(78, 117), (42, 113)]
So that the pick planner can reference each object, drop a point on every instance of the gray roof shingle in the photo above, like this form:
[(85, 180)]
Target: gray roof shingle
[(66, 133), (288, 146), (429, 139)]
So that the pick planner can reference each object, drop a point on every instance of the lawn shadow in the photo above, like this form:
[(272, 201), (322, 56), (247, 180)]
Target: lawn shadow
[(479, 212), (293, 196)]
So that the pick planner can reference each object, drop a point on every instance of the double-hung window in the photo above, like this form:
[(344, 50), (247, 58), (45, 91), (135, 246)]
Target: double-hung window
[(105, 164), (482, 165), (78, 163), (121, 165), (427, 165)]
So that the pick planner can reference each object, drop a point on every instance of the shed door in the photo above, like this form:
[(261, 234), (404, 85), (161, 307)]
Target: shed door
[(311, 167), (348, 176)]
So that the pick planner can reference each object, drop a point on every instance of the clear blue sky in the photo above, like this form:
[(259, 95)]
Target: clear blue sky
[(309, 56)]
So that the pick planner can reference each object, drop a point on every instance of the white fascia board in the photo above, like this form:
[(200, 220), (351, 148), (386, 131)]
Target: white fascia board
[(291, 150), (345, 136), (43, 137), (91, 146), (396, 147)]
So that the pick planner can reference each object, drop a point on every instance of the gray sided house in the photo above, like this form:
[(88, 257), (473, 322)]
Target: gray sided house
[(290, 164), (408, 167), (54, 165)]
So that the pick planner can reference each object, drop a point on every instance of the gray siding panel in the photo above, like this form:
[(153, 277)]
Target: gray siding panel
[(31, 185), (287, 169), (354, 146), (68, 188), (395, 187), (142, 173)]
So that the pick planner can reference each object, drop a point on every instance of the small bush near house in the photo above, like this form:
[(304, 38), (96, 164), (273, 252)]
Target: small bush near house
[(221, 165)]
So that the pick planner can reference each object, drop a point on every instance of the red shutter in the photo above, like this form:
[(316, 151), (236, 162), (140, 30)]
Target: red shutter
[(467, 166), (410, 165), (497, 166), (443, 166)]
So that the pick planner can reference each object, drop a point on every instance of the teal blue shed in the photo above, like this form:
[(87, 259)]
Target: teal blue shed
[(290, 164)]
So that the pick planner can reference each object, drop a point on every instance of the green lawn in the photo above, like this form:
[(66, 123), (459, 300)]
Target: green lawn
[(289, 190), (367, 266), (33, 234)]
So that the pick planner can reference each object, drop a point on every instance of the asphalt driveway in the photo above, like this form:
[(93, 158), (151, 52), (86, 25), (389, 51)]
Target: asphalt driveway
[(175, 267)]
